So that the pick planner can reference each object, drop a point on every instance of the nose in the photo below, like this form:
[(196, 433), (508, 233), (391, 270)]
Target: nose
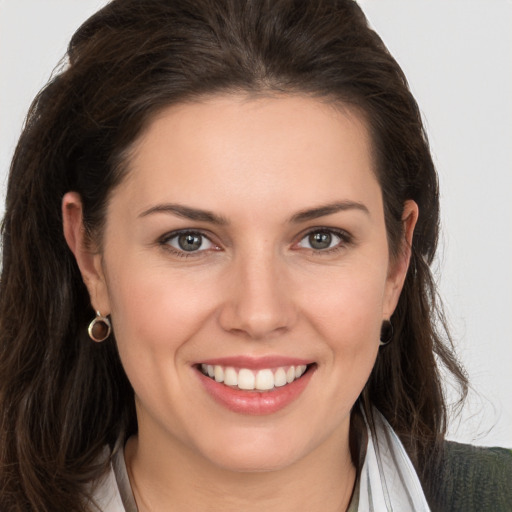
[(258, 302)]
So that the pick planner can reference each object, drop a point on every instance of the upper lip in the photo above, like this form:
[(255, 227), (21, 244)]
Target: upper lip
[(256, 363)]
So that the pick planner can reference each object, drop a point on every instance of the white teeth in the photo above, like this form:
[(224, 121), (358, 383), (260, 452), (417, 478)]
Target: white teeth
[(261, 380), (280, 378), (230, 377), (246, 379), (299, 370), (264, 380), (219, 373)]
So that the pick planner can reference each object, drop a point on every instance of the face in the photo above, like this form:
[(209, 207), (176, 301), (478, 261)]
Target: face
[(246, 269)]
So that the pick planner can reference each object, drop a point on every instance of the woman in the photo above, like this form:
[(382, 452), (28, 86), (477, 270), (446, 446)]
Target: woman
[(215, 289)]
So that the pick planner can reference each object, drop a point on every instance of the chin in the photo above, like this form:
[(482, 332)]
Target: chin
[(252, 457), (258, 463)]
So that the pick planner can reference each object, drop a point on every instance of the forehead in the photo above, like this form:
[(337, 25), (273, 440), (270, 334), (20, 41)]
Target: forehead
[(286, 149)]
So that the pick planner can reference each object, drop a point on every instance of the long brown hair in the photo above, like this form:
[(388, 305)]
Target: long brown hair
[(64, 398)]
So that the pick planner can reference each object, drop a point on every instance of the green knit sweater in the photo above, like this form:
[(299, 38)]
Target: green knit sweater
[(473, 479)]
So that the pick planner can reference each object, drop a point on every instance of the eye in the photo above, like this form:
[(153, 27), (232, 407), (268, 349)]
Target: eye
[(323, 239), (188, 241)]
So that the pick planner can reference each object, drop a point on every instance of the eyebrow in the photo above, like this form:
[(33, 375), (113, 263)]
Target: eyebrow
[(328, 209), (197, 214), (187, 213)]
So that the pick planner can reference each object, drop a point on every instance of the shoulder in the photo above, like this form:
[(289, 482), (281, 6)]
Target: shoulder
[(473, 478)]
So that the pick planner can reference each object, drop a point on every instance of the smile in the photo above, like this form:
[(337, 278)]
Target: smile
[(254, 380)]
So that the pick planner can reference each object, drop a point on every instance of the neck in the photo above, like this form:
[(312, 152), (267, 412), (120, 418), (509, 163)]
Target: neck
[(166, 479)]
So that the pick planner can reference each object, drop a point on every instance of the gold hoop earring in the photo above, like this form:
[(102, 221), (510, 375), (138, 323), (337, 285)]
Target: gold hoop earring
[(100, 328)]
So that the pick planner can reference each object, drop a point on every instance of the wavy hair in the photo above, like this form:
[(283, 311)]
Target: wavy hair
[(64, 398)]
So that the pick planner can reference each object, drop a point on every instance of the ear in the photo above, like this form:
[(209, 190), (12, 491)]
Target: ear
[(87, 256), (398, 268)]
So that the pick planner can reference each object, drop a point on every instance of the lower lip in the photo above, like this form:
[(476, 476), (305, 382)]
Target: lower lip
[(256, 403)]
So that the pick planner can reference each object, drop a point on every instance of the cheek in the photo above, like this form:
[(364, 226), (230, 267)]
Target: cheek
[(348, 309), (155, 314), (347, 316), (155, 310)]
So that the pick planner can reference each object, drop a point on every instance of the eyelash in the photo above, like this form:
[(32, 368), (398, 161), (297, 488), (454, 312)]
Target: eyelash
[(345, 240), (164, 242)]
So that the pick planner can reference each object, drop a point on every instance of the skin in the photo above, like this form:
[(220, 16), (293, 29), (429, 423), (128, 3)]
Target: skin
[(255, 288)]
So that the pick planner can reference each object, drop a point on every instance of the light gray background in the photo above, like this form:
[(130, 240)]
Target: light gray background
[(457, 55)]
